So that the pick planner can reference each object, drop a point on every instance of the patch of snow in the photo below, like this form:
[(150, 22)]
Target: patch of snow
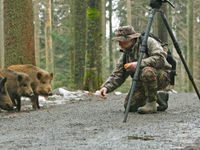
[(86, 92), (42, 99), (117, 93), (173, 91), (64, 92), (62, 96), (97, 92), (25, 99)]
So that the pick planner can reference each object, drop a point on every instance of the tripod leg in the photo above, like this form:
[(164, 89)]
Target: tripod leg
[(142, 51), (176, 45)]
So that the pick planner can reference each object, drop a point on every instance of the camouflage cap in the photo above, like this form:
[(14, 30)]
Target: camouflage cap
[(125, 34)]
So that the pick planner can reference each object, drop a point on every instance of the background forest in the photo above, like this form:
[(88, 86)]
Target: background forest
[(73, 38)]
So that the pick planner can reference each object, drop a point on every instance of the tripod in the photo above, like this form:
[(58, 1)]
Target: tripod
[(155, 7)]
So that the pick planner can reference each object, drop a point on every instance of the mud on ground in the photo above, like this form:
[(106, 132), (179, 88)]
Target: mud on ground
[(96, 124)]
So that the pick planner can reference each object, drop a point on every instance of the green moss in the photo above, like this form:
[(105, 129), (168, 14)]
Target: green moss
[(93, 14), (90, 80)]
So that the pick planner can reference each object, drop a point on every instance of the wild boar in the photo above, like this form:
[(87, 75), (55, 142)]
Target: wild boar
[(18, 85), (41, 81), (5, 101)]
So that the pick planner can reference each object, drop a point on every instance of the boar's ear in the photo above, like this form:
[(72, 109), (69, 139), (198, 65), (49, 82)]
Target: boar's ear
[(2, 83), (39, 75), (51, 74), (19, 78)]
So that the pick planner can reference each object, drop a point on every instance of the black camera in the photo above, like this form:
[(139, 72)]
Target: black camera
[(158, 3)]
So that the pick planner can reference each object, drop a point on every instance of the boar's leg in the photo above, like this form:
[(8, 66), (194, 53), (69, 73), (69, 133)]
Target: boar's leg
[(18, 103), (13, 101), (12, 97), (34, 101), (37, 102)]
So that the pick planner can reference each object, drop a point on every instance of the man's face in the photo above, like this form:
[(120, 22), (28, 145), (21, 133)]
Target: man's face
[(125, 45)]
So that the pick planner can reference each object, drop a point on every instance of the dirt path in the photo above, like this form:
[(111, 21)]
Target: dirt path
[(97, 125)]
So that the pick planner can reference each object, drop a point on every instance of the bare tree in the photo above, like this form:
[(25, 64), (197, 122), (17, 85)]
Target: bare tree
[(48, 38), (79, 42), (129, 15), (190, 47), (162, 30), (36, 31), (93, 74), (110, 36), (19, 32), (1, 34)]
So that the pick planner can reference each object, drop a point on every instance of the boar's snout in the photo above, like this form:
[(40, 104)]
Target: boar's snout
[(28, 93), (32, 94), (50, 93)]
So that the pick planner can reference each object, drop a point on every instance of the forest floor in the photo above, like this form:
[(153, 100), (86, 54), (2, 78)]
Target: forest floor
[(96, 124)]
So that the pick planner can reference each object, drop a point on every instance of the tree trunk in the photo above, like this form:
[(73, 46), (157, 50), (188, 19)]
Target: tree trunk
[(48, 38), (129, 16), (162, 30), (72, 55), (110, 37), (93, 74), (79, 42), (19, 32), (99, 49), (1, 34), (103, 12), (190, 40), (105, 41), (196, 43), (36, 32)]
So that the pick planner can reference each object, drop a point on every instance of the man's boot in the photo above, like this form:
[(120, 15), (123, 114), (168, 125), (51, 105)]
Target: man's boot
[(148, 108), (162, 100), (150, 85)]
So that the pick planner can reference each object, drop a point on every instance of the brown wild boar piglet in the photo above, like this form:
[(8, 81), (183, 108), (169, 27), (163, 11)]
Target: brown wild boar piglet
[(18, 85), (5, 101), (41, 81)]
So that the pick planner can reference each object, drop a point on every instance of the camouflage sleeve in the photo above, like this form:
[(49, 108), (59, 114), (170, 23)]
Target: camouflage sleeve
[(117, 77), (157, 56)]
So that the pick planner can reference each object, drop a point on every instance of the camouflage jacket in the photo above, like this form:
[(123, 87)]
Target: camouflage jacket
[(155, 57)]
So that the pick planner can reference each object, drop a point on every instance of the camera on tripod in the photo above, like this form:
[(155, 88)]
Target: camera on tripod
[(158, 3)]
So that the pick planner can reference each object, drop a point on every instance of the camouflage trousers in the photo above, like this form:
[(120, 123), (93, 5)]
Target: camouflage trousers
[(150, 81)]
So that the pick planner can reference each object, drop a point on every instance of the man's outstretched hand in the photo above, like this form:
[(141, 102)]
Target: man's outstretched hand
[(103, 92)]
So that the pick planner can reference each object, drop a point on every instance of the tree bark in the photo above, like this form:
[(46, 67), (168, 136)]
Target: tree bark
[(48, 38), (190, 37), (93, 74), (1, 34), (103, 12), (110, 37), (72, 49), (36, 32), (162, 30), (19, 32), (129, 15), (79, 42)]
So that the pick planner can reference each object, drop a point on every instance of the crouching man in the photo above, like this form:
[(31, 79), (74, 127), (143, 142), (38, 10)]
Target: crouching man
[(153, 76)]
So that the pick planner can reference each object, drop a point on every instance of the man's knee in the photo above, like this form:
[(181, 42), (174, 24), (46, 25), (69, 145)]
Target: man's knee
[(163, 80), (148, 74)]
